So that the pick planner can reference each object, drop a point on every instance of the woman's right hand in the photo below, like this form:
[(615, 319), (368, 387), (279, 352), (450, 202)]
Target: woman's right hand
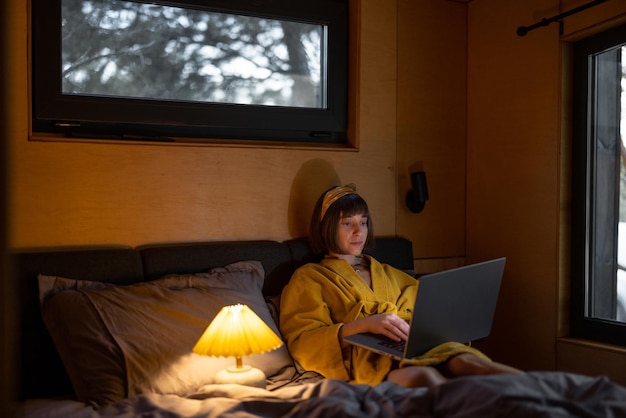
[(389, 325)]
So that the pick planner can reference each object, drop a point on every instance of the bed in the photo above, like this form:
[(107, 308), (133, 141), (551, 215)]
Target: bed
[(107, 331)]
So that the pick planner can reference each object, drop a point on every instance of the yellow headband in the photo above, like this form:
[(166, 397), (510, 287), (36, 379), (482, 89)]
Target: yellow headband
[(333, 195)]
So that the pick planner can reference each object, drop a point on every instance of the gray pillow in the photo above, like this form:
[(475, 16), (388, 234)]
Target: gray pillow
[(118, 341)]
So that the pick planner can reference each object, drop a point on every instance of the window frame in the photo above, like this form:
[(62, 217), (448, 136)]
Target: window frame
[(99, 117), (582, 191)]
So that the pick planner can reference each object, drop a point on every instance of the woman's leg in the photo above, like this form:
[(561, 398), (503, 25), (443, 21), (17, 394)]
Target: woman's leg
[(416, 376), (467, 364)]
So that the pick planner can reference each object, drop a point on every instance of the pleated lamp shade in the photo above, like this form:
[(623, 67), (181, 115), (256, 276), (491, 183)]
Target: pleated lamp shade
[(237, 331)]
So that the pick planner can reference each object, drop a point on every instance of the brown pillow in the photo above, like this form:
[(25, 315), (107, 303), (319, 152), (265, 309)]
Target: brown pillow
[(117, 341), (92, 358)]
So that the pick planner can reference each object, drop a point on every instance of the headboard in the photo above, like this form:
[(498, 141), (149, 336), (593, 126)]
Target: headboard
[(42, 374)]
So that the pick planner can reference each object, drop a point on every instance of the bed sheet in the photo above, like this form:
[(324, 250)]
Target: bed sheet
[(535, 394)]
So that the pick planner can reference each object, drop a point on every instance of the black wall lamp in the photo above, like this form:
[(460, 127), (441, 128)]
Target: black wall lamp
[(418, 195)]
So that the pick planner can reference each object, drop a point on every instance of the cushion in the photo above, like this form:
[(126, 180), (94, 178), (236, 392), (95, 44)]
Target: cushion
[(118, 341)]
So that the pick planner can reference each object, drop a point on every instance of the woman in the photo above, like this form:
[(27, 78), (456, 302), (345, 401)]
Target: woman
[(348, 293)]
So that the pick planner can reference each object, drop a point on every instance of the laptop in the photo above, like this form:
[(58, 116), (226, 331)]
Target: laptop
[(451, 305)]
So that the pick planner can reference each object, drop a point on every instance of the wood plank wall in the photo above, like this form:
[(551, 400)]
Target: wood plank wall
[(442, 85), (518, 176)]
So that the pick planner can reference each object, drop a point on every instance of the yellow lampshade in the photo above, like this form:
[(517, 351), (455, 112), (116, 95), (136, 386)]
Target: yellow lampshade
[(237, 331)]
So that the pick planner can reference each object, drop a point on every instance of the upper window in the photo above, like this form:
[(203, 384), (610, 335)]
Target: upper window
[(599, 188), (166, 70)]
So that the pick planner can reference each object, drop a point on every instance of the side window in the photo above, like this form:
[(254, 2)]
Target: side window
[(234, 69), (599, 188)]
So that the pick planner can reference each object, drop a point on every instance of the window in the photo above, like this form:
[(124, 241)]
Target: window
[(166, 70), (599, 188)]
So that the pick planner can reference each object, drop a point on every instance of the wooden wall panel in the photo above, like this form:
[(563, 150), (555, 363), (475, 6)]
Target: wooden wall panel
[(431, 123), (518, 175), (97, 193), (513, 173), (593, 20), (444, 84), (8, 291), (592, 359)]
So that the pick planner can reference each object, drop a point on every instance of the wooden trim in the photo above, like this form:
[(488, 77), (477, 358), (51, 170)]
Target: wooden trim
[(591, 358)]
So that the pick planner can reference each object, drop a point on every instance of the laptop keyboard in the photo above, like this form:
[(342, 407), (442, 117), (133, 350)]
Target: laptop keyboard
[(394, 345)]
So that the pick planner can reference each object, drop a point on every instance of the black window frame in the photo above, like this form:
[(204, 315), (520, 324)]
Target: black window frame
[(583, 231), (125, 118)]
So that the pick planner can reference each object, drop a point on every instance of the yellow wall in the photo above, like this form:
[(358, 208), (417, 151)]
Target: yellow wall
[(512, 175), (7, 291), (431, 126), (517, 175), (85, 193), (443, 85)]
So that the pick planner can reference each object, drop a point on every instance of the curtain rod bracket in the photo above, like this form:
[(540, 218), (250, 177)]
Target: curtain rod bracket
[(523, 30)]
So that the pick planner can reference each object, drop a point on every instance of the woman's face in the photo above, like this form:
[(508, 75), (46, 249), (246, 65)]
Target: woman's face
[(352, 234)]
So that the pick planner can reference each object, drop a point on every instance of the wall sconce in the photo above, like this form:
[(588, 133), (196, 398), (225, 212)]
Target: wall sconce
[(237, 331), (418, 195)]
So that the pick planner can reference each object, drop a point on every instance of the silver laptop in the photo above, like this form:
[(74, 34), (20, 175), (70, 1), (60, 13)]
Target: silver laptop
[(451, 305)]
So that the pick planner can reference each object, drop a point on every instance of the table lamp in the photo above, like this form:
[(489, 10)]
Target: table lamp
[(237, 331)]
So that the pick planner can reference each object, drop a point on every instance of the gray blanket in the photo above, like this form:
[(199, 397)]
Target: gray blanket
[(536, 394)]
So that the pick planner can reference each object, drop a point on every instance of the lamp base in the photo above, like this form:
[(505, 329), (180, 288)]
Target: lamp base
[(244, 375)]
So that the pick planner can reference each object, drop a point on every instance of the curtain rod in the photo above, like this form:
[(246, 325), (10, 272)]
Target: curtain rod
[(523, 30)]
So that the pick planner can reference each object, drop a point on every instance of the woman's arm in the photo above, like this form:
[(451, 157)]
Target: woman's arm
[(311, 335)]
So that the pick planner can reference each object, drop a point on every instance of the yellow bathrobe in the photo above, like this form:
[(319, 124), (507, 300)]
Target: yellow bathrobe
[(320, 298)]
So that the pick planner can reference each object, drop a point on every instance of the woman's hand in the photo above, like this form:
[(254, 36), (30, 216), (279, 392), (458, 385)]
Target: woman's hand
[(389, 325)]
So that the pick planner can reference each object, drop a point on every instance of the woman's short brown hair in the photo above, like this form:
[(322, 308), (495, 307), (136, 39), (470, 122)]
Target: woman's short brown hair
[(323, 231)]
